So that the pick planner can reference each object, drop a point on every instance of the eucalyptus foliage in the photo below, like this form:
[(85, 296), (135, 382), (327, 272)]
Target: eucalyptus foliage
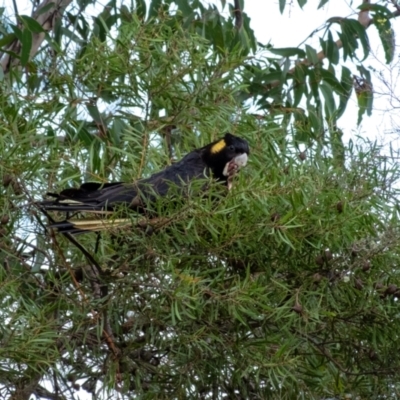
[(284, 287)]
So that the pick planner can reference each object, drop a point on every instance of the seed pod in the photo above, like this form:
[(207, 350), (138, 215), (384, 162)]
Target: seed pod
[(17, 188), (372, 355), (391, 289), (4, 219), (358, 284), (366, 265), (297, 308), (319, 260), (275, 217), (317, 277), (7, 179), (328, 255)]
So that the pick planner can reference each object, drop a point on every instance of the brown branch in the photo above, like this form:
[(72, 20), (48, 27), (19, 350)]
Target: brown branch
[(397, 6), (238, 14), (25, 387), (47, 20), (15, 10)]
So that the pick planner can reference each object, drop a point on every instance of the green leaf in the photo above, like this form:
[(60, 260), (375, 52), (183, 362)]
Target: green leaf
[(249, 32), (46, 8), (94, 113), (288, 52), (85, 136), (141, 9), (185, 7), (365, 100), (330, 49), (5, 40), (154, 7), (100, 28), (316, 120), (314, 83), (117, 129), (386, 34), (346, 82), (282, 4), (322, 3), (31, 24), (26, 45), (349, 41), (352, 31), (376, 8), (71, 35), (331, 79), (364, 93), (299, 85), (334, 20), (311, 53), (330, 105), (302, 3), (361, 32), (338, 148), (17, 32)]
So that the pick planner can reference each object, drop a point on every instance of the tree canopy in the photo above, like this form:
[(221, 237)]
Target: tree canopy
[(285, 287)]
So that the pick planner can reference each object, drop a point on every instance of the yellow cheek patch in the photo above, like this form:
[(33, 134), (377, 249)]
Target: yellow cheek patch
[(218, 146)]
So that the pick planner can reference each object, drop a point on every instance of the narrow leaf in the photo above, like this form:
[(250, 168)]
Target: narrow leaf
[(288, 52), (46, 8), (4, 41), (26, 43), (361, 33), (94, 113), (302, 3), (311, 53), (282, 4), (376, 8), (322, 3), (386, 34), (346, 82), (331, 79), (330, 105), (154, 7), (330, 49), (31, 24)]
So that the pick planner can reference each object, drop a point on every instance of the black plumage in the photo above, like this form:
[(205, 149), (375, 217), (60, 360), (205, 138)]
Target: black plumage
[(220, 159)]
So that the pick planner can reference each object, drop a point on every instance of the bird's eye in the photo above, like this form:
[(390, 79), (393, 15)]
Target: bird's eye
[(231, 147)]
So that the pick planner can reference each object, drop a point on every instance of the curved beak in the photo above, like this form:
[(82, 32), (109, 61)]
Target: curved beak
[(235, 164)]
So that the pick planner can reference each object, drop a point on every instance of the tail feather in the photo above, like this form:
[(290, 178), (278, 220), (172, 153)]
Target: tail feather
[(89, 225), (75, 208)]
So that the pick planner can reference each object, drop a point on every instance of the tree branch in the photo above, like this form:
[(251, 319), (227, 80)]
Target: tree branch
[(238, 14), (47, 20)]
